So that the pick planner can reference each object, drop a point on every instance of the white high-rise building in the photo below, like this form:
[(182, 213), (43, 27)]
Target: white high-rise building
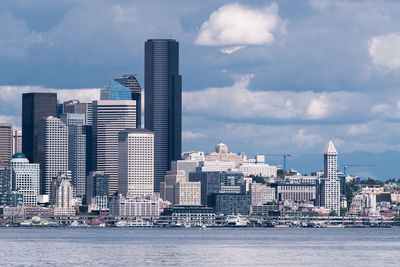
[(25, 178), (17, 142), (257, 166), (52, 151), (109, 118), (76, 150), (63, 195), (136, 162), (330, 184)]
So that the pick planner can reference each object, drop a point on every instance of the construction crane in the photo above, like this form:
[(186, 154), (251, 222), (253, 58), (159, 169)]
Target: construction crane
[(281, 155), (345, 166)]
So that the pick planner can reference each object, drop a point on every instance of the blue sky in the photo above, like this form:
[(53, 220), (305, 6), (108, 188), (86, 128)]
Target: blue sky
[(262, 76)]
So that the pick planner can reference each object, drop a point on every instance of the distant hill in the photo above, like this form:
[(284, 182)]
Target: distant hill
[(386, 163)]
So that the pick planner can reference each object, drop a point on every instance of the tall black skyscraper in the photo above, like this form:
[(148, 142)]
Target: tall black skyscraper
[(35, 106), (163, 103)]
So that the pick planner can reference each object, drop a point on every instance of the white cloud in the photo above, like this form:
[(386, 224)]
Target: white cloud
[(385, 50), (236, 24), (238, 102), (231, 50), (321, 4), (302, 139), (192, 135)]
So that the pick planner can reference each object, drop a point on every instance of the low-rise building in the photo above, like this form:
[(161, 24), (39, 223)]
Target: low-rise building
[(228, 204), (190, 215), (127, 206)]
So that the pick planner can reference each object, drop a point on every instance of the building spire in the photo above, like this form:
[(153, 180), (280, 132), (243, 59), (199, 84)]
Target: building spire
[(330, 148)]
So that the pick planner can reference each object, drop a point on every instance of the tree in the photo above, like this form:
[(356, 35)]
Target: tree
[(333, 213), (343, 211)]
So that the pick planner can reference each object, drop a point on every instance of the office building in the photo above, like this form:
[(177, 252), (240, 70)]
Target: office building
[(261, 193), (35, 106), (163, 103), (178, 190), (222, 154), (190, 215), (296, 192), (258, 167), (136, 162), (229, 204), (76, 107), (76, 150), (8, 198), (125, 87), (25, 178), (109, 118), (6, 144), (62, 195), (185, 165), (52, 151), (193, 155), (187, 193), (17, 142), (328, 188), (96, 185), (210, 184)]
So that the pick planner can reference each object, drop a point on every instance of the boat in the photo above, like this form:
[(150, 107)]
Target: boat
[(237, 221), (121, 223)]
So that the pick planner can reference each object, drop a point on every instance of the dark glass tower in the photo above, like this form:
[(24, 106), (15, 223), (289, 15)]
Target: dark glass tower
[(125, 87), (163, 103), (35, 106)]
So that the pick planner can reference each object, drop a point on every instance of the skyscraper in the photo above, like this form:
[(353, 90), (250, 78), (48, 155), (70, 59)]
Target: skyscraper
[(6, 143), (76, 107), (35, 106), (329, 187), (136, 162), (17, 141), (76, 150), (25, 178), (163, 103), (109, 118), (125, 87), (52, 151)]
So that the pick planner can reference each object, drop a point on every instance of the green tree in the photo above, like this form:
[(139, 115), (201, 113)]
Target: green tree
[(343, 211), (333, 213)]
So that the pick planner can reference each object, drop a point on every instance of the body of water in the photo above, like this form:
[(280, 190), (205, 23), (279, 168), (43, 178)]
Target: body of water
[(195, 247)]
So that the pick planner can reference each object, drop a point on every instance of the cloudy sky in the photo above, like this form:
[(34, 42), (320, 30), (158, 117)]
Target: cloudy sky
[(262, 76)]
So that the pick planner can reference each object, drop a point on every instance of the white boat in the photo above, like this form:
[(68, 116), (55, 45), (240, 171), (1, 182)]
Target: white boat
[(237, 221), (121, 223)]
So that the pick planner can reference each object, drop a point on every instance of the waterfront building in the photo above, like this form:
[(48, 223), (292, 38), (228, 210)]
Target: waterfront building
[(98, 203), (136, 162), (76, 150), (96, 186), (52, 151), (329, 186), (109, 118), (190, 215), (17, 142), (163, 103), (35, 106), (62, 195), (125, 87), (258, 167), (25, 178), (127, 206), (261, 193), (6, 143), (228, 204)]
